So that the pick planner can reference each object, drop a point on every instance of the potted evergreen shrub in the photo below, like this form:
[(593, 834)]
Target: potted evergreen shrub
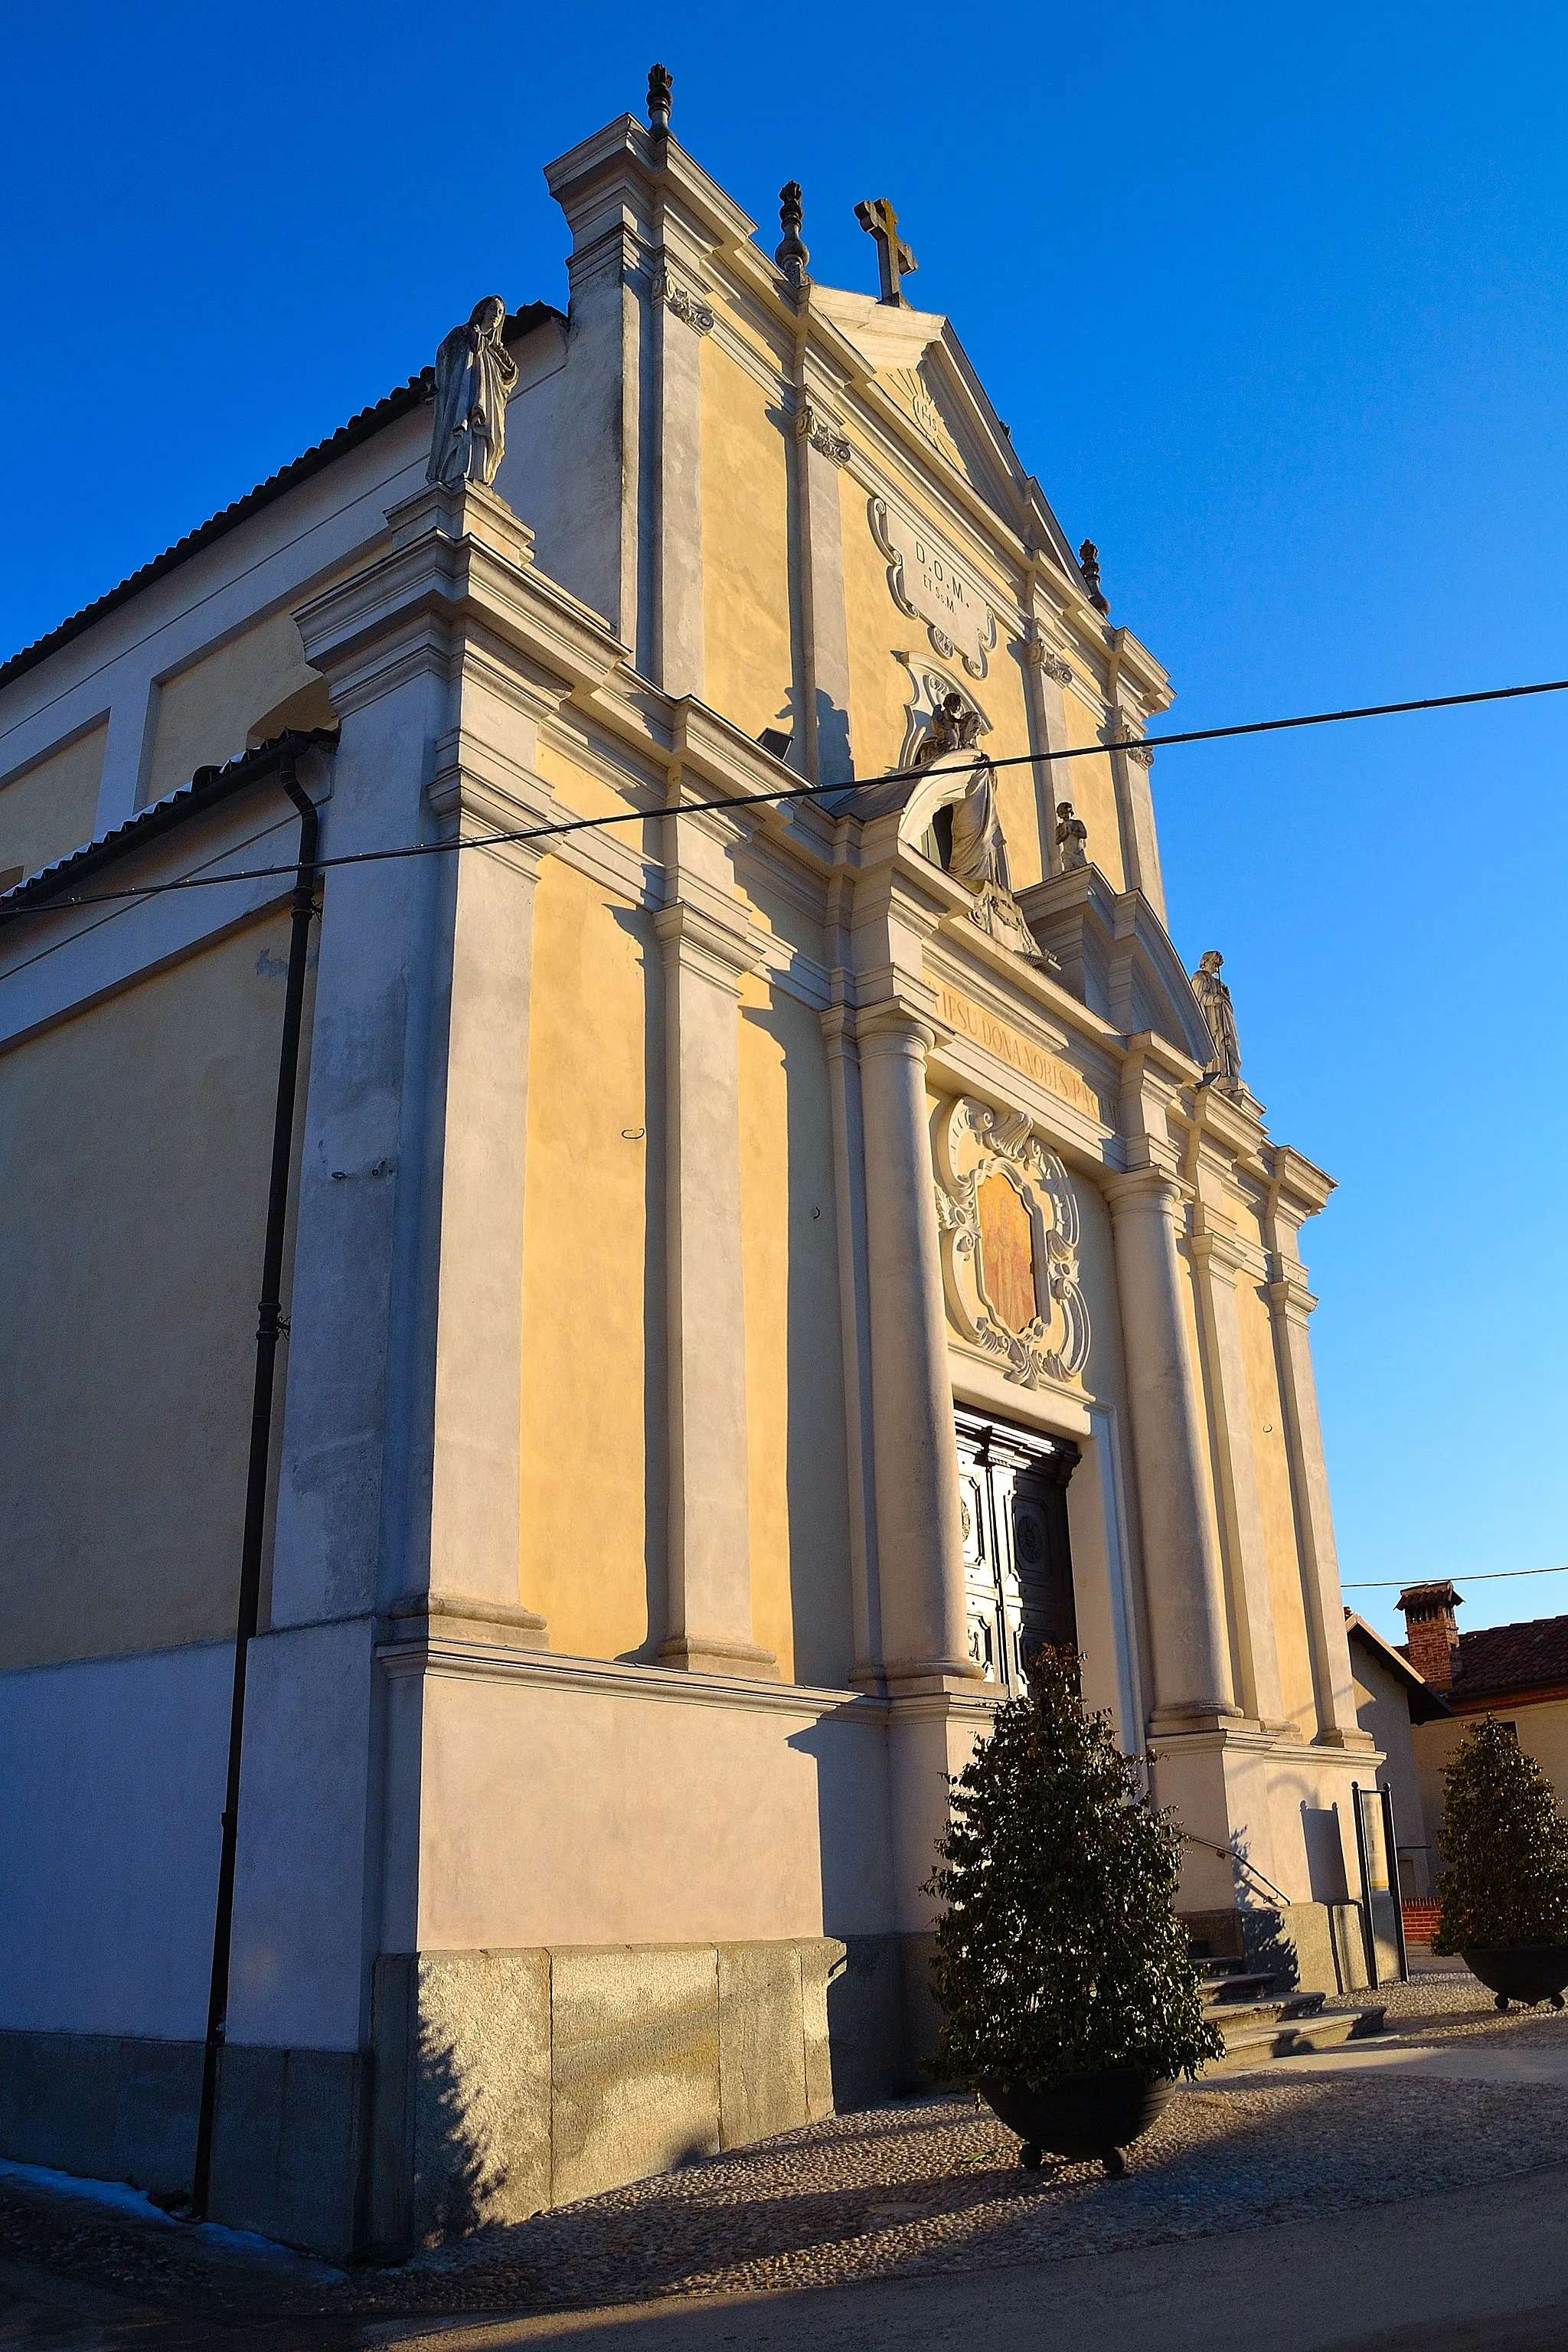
[(1504, 1890), (1068, 1998)]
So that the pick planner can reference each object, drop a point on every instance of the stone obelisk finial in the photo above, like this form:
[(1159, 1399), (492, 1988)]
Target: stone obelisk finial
[(790, 252), (659, 87), (1088, 564)]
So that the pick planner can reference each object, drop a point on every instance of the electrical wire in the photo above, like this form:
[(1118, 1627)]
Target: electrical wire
[(55, 904), (1486, 1576)]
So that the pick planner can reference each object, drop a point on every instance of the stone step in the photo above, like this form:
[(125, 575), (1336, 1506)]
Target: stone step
[(1231, 2016), (1325, 2028), (1235, 1984)]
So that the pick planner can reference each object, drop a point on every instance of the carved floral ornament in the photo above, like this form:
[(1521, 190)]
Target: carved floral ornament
[(1009, 1233)]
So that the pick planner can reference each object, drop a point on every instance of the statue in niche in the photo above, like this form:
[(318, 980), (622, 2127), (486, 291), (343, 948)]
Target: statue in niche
[(1219, 1014), (475, 373), (951, 727), (1072, 838), (976, 847)]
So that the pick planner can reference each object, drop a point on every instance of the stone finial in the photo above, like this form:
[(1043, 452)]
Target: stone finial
[(1088, 564), (1072, 838), (659, 90), (894, 260), (790, 252), (1432, 1638)]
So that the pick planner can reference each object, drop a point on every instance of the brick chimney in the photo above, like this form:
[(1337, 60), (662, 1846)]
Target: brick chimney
[(1432, 1637)]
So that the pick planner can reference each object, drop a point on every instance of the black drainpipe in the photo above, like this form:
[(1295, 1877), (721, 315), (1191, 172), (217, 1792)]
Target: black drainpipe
[(257, 1479)]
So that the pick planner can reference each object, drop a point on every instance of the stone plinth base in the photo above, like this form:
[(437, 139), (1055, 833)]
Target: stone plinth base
[(497, 2084)]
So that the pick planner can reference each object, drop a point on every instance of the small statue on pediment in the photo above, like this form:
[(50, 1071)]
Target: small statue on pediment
[(475, 374), (1219, 1015), (1072, 838)]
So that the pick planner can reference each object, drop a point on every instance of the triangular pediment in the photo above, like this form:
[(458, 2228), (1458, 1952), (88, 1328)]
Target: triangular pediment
[(918, 363)]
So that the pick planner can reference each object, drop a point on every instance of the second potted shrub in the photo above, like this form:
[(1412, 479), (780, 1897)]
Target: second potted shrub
[(1504, 1889)]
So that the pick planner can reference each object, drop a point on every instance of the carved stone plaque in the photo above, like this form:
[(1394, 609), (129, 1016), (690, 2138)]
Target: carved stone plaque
[(930, 587)]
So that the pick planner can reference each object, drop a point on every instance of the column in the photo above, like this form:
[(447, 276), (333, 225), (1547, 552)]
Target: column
[(1185, 1592), (924, 1634), (710, 1533), (1217, 1262), (1291, 1303)]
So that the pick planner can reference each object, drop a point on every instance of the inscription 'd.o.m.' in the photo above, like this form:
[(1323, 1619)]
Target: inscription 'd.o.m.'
[(998, 1037), (930, 586)]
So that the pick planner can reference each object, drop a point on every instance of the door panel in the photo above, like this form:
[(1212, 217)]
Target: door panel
[(1018, 1562)]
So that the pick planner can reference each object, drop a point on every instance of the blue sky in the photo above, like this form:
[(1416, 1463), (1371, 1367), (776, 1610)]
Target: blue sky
[(1274, 303)]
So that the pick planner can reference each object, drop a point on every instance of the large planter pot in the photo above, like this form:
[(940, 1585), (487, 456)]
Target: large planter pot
[(1082, 2116), (1524, 1972)]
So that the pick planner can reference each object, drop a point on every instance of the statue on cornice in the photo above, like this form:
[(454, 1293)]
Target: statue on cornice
[(979, 854), (1219, 1014), (1072, 838), (475, 374)]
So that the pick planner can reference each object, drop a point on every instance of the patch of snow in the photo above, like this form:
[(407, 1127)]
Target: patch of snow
[(100, 2193), (120, 2194)]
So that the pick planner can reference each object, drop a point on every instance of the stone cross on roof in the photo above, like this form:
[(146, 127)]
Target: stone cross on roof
[(879, 219)]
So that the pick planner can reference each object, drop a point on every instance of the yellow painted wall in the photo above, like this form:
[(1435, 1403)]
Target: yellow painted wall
[(745, 549), (1543, 1732), (51, 808), (134, 1143), (593, 1520), (880, 686), (1272, 1454), (207, 712), (795, 1403), (1094, 792)]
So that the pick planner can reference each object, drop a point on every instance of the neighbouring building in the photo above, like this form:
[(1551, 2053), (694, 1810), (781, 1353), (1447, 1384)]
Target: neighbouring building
[(1517, 1672), (1391, 1699), (750, 1272)]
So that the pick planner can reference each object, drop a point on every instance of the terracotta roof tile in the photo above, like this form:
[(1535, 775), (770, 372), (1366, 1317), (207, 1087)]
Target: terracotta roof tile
[(1496, 1660)]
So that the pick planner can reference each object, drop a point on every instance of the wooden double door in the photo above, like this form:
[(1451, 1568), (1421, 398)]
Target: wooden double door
[(1017, 1558)]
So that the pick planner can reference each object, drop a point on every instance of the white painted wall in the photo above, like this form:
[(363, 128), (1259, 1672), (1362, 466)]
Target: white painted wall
[(112, 1773)]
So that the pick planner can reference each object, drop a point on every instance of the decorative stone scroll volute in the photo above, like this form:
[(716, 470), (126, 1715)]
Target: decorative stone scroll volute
[(1009, 1234)]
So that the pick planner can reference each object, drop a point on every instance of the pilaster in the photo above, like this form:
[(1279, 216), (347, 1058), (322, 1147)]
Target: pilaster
[(705, 953), (847, 1115), (1290, 1304), (820, 450), (1182, 1573), (1217, 1262), (924, 1633)]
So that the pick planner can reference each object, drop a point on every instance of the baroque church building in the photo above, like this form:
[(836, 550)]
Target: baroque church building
[(757, 1259)]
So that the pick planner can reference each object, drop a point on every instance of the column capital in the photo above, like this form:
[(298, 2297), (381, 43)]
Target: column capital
[(1146, 1189), (1289, 1296), (1221, 1254), (701, 943), (894, 1029)]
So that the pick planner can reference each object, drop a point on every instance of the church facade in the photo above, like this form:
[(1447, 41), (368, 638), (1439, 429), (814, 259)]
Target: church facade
[(758, 1259)]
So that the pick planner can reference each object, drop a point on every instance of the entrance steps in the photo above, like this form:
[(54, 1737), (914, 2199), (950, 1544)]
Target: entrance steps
[(1260, 2024)]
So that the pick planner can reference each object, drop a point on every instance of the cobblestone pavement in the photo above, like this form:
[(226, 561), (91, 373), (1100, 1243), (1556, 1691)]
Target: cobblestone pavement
[(919, 2189)]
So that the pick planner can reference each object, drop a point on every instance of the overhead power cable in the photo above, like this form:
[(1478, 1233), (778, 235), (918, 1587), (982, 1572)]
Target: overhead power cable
[(53, 904), (1486, 1576)]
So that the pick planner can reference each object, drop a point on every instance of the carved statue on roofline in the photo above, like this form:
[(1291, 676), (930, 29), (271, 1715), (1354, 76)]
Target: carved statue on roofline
[(1219, 1014), (475, 374)]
